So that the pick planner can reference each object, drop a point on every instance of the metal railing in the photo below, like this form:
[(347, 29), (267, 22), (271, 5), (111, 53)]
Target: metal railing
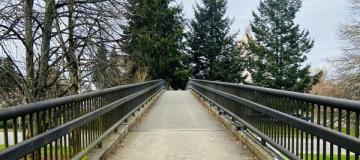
[(69, 127), (300, 126)]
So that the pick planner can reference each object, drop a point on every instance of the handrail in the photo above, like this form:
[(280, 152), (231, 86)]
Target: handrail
[(290, 133), (80, 126), (331, 101), (15, 111)]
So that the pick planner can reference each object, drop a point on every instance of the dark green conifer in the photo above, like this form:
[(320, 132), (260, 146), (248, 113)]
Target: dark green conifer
[(212, 45), (153, 38), (278, 46)]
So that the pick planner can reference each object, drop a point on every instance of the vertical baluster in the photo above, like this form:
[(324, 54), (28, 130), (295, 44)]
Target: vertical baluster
[(317, 138), (79, 129), (31, 123), (278, 107), (306, 133), (312, 136), (45, 152), (62, 148), (23, 130), (99, 121), (288, 108), (325, 125), (283, 124), (56, 122), (289, 137), (15, 126), (56, 153), (332, 127), (23, 127), (348, 126), (88, 103), (44, 128), (339, 129), (71, 135), (93, 130), (75, 135), (273, 135), (71, 144), (284, 134), (296, 104), (301, 132), (81, 144), (38, 131), (50, 118), (51, 122), (94, 105), (6, 132), (357, 125), (68, 146), (65, 141), (86, 126), (297, 142), (293, 140)]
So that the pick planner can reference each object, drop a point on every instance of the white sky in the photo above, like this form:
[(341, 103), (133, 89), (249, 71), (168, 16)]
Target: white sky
[(320, 17)]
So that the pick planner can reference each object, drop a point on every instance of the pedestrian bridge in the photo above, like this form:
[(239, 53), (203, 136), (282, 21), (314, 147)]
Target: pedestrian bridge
[(210, 120)]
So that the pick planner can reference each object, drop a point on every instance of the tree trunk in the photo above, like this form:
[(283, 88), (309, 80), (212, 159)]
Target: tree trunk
[(29, 53), (41, 83), (71, 55), (45, 49)]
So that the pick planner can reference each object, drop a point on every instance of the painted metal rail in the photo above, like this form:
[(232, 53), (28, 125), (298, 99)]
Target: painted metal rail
[(68, 127), (299, 126)]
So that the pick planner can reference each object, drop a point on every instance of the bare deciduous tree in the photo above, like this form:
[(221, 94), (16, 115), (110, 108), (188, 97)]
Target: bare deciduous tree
[(52, 42), (348, 65)]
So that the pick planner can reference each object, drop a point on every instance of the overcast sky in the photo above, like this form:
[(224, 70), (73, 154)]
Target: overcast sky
[(320, 17)]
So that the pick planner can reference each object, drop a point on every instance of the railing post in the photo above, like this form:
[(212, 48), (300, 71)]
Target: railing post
[(240, 127), (100, 145), (263, 142), (89, 120)]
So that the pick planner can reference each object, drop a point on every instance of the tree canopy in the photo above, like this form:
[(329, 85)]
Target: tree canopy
[(277, 48), (153, 38), (211, 44)]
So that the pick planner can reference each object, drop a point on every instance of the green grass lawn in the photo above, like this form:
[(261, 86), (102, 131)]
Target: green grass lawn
[(352, 131), (343, 156), (2, 147)]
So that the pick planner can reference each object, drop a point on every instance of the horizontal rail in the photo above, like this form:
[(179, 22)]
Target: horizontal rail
[(330, 101), (247, 125), (291, 135), (15, 111), (76, 135)]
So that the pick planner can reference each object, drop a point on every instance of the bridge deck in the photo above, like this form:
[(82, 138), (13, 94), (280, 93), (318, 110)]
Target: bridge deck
[(178, 127)]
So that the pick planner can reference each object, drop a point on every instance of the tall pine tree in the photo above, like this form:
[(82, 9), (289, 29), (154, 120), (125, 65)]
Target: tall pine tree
[(211, 44), (278, 47), (153, 39)]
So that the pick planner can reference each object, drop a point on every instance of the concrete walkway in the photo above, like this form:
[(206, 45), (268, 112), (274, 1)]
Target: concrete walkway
[(179, 128)]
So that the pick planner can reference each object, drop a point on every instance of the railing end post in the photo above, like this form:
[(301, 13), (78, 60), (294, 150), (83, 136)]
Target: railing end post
[(263, 142), (240, 127), (100, 145)]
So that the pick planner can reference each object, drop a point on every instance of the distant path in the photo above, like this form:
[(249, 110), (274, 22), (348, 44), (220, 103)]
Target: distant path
[(179, 128)]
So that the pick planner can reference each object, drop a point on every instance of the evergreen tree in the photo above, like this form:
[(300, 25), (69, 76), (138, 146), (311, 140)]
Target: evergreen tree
[(8, 75), (153, 39), (211, 44), (100, 66), (116, 73), (9, 84), (230, 67), (278, 47)]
